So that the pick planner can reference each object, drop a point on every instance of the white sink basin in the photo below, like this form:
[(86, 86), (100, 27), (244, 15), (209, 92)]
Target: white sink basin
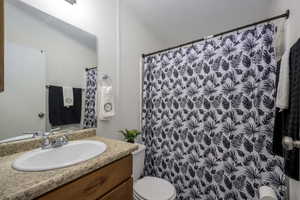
[(54, 158)]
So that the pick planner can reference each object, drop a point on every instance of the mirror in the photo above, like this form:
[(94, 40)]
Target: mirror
[(50, 70)]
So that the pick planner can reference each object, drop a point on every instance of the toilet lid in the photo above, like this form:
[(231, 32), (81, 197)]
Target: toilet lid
[(151, 188)]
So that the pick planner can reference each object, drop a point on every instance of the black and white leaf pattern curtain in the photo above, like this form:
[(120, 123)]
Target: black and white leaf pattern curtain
[(208, 117), (90, 115)]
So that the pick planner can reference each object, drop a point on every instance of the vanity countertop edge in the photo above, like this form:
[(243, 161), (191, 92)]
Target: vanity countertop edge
[(16, 185)]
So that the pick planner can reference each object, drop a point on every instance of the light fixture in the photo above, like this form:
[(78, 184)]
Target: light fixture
[(71, 1)]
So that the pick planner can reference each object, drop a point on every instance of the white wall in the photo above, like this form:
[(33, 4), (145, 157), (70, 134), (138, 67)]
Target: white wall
[(280, 6), (136, 39), (179, 21)]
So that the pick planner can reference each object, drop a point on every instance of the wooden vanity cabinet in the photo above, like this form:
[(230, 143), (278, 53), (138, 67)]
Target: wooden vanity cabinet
[(112, 182)]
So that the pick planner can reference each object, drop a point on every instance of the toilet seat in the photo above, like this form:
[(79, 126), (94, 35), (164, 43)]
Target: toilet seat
[(152, 188), (135, 197)]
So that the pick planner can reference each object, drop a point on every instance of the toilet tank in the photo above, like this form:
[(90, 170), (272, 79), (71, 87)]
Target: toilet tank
[(138, 158)]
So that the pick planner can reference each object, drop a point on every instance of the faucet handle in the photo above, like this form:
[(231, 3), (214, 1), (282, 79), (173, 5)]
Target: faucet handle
[(64, 139), (37, 134), (59, 142), (46, 143)]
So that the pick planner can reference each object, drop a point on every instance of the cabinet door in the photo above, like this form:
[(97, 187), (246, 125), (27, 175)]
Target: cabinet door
[(124, 192), (96, 184)]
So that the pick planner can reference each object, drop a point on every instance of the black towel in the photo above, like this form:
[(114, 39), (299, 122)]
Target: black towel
[(60, 115), (292, 157), (280, 126), (280, 129)]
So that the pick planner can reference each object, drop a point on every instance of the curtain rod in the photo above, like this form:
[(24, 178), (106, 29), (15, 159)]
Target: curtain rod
[(89, 68), (285, 15), (48, 86)]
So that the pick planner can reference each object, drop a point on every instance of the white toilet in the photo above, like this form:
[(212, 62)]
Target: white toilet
[(149, 188)]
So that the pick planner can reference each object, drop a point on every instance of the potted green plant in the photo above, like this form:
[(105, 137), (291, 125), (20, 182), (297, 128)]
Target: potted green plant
[(130, 135)]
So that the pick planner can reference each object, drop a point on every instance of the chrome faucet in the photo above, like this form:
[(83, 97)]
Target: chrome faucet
[(57, 142), (60, 141)]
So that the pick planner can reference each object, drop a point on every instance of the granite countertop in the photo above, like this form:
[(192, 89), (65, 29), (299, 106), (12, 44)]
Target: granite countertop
[(15, 185)]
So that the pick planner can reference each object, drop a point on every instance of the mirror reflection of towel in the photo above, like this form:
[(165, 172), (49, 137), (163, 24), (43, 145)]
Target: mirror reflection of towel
[(68, 96), (58, 113)]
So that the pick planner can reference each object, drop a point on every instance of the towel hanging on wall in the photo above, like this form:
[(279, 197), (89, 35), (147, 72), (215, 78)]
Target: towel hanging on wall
[(283, 55), (282, 99), (281, 38)]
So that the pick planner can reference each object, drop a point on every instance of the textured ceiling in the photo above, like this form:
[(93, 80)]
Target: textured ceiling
[(177, 21)]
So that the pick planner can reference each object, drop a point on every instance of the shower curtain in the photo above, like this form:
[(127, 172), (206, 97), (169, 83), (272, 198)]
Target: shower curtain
[(90, 116), (208, 116)]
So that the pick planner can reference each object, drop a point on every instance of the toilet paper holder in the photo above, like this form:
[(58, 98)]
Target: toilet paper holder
[(289, 144)]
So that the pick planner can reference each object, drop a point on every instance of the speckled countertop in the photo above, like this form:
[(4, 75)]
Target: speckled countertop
[(15, 185)]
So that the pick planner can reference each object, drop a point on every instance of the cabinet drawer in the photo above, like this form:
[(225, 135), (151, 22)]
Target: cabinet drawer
[(96, 184), (124, 192)]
